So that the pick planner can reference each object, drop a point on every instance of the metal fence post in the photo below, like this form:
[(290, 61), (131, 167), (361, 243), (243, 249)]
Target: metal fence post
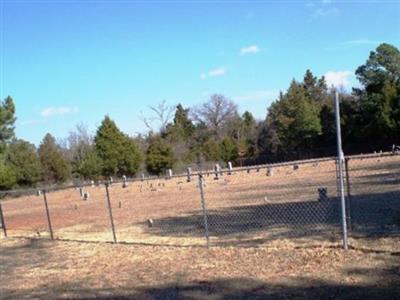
[(340, 169), (204, 207), (110, 214), (348, 187), (48, 214), (3, 223)]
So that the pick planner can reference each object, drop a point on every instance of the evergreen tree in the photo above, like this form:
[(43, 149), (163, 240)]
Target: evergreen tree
[(22, 156), (8, 176), (296, 119), (211, 151), (91, 166), (159, 156), (55, 167), (228, 150), (7, 120), (119, 153), (380, 97)]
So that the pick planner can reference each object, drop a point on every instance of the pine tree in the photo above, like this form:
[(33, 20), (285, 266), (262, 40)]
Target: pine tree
[(23, 157), (91, 166), (159, 156), (8, 176), (55, 167), (228, 150), (7, 120), (380, 97), (119, 154)]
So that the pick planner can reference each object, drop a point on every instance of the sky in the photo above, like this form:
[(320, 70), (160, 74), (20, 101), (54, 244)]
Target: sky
[(70, 62)]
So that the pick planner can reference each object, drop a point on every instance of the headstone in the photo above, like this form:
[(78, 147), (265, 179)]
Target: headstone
[(92, 183), (142, 176), (124, 182), (295, 167), (111, 181), (230, 168), (81, 192), (169, 173), (217, 170), (323, 194), (150, 222), (248, 171), (38, 192), (86, 196), (189, 174), (270, 172)]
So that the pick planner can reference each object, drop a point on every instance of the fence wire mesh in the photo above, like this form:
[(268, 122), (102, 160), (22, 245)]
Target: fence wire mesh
[(374, 200), (264, 204), (295, 202)]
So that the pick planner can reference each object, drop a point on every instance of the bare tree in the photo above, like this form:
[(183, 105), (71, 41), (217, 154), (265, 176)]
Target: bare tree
[(78, 143), (161, 114), (216, 113)]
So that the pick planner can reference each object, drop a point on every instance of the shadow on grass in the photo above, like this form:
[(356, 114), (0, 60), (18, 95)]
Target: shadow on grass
[(372, 215), (219, 289)]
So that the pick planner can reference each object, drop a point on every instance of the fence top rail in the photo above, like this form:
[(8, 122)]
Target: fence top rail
[(33, 191)]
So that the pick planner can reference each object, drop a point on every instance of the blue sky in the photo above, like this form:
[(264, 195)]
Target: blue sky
[(67, 62)]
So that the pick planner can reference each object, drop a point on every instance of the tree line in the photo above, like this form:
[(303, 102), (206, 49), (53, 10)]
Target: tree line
[(300, 123)]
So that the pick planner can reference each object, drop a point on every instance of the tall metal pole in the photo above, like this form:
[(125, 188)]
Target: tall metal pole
[(340, 169), (48, 215), (204, 207), (3, 222), (110, 213)]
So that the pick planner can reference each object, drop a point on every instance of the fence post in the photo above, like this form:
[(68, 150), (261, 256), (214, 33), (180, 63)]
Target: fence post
[(3, 223), (48, 214), (110, 213), (204, 207), (348, 187), (340, 161)]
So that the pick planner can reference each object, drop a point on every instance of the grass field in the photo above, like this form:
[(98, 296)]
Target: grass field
[(42, 269), (290, 243), (245, 208)]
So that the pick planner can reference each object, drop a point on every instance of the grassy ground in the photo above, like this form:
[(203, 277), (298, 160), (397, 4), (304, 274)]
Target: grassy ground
[(41, 269), (243, 208)]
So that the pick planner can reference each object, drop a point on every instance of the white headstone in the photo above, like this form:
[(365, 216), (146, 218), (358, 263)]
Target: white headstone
[(189, 174), (217, 170), (169, 173), (230, 168)]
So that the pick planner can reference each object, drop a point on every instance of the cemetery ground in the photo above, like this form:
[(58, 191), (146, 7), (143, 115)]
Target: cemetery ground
[(44, 269), (270, 237)]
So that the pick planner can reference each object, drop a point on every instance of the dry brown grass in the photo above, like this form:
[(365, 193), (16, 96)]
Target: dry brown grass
[(282, 262), (43, 269), (244, 208)]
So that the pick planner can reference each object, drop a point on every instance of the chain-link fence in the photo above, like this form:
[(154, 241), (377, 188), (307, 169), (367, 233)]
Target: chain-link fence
[(295, 202), (373, 200)]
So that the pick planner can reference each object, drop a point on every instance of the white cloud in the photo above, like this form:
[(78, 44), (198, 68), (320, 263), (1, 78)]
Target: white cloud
[(216, 72), (324, 12), (361, 42), (338, 78), (61, 110), (213, 73), (253, 49), (258, 95), (32, 122)]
